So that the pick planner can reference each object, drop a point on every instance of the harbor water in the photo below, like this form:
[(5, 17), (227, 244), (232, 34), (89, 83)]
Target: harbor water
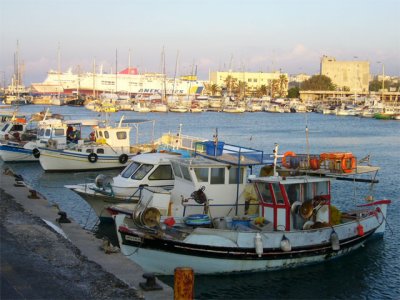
[(369, 273)]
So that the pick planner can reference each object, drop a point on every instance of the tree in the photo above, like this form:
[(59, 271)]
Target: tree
[(318, 83), (282, 85), (262, 91), (294, 92), (212, 89), (230, 83)]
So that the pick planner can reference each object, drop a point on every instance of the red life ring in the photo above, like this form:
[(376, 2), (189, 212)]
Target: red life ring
[(284, 162), (348, 163)]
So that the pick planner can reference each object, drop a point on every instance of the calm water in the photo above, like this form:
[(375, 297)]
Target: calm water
[(370, 273)]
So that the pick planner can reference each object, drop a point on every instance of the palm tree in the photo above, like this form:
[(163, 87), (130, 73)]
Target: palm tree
[(262, 91), (213, 89), (282, 85), (230, 83)]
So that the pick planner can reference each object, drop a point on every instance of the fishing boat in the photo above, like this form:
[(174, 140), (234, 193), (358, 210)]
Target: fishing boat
[(148, 169), (107, 147), (24, 146), (219, 220)]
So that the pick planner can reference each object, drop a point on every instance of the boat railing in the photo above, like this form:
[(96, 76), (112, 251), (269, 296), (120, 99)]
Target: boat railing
[(229, 153)]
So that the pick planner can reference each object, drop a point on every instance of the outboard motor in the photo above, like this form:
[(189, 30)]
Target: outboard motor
[(103, 181)]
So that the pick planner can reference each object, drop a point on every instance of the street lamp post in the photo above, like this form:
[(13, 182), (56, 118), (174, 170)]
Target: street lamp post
[(383, 77)]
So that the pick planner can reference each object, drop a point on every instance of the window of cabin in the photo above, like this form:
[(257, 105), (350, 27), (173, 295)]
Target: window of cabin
[(121, 135), (277, 193), (308, 191), (185, 173), (201, 174), (58, 132), (177, 170), (264, 191), (142, 171), (47, 133), (5, 127), (17, 127), (322, 188), (162, 172), (101, 133), (128, 171), (217, 176), (233, 175), (89, 150), (106, 135), (100, 151), (293, 192), (41, 132)]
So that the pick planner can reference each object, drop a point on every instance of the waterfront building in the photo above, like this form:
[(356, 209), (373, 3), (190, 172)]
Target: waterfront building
[(353, 76), (253, 81)]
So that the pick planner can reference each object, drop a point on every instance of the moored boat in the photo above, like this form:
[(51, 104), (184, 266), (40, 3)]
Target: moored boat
[(216, 222)]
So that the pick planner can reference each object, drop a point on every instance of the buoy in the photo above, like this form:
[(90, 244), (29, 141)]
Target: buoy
[(258, 244), (360, 230), (335, 241), (285, 244)]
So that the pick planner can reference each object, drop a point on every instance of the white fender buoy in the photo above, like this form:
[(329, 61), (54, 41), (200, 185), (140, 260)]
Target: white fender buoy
[(335, 241), (258, 244), (285, 244)]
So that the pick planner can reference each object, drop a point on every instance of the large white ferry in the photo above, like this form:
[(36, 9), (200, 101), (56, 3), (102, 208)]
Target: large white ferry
[(126, 81)]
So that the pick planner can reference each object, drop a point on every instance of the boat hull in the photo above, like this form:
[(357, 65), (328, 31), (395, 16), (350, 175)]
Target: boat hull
[(10, 153), (64, 160)]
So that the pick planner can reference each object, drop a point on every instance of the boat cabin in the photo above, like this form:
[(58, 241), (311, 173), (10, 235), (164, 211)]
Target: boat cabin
[(293, 203), (213, 180), (13, 129)]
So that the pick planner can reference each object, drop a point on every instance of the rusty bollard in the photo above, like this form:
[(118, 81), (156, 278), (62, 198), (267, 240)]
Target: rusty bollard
[(183, 284)]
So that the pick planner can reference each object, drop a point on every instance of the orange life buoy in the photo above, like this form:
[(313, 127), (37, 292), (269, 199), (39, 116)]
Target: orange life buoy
[(286, 154), (348, 163)]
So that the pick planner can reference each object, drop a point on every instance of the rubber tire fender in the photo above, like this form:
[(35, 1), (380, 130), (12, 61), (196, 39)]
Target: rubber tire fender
[(92, 157), (36, 153), (123, 158)]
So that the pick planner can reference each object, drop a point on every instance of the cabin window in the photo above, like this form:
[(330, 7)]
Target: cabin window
[(41, 132), (106, 135), (128, 171), (177, 170), (47, 133), (100, 151), (293, 192), (278, 194), (201, 174), (185, 173), (233, 175), (321, 189), (58, 132), (308, 191), (17, 127), (265, 193), (100, 133), (89, 150), (5, 127), (121, 135), (217, 176), (163, 172), (142, 171)]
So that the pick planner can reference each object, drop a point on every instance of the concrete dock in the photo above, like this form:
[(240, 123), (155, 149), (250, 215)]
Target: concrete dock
[(89, 246)]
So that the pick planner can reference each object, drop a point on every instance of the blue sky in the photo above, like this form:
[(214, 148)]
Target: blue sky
[(252, 35)]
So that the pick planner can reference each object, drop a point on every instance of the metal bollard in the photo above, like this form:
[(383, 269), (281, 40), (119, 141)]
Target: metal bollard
[(150, 284), (183, 283), (33, 195)]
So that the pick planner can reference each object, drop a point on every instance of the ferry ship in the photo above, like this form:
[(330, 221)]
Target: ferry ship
[(127, 81)]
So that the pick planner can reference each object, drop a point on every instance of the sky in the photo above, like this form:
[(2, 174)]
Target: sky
[(203, 36)]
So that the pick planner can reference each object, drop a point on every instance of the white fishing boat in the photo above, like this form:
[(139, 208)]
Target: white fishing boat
[(217, 220), (148, 169), (24, 147), (178, 108), (107, 147)]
